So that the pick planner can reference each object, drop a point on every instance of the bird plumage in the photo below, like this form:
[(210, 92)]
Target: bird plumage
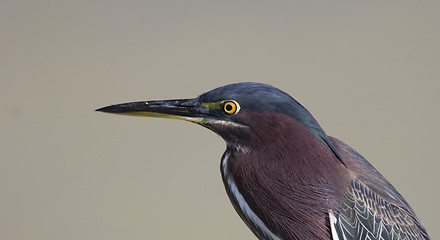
[(372, 208), (284, 176), (288, 186)]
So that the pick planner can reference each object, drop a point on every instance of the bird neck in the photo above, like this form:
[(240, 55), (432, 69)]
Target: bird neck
[(282, 170), (279, 140)]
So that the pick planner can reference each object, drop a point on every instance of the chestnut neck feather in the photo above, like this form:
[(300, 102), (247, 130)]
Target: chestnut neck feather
[(286, 175)]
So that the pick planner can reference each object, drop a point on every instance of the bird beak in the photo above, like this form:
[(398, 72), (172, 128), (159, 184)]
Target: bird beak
[(184, 109)]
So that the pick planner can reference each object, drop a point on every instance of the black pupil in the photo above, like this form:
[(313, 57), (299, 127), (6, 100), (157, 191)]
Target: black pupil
[(228, 107)]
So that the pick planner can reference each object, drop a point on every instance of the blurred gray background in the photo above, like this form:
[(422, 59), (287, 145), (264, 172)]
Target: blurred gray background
[(369, 72)]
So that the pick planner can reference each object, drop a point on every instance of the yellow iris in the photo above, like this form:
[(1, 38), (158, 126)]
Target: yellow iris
[(230, 107)]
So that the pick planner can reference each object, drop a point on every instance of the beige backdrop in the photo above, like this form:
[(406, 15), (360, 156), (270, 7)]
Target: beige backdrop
[(369, 72)]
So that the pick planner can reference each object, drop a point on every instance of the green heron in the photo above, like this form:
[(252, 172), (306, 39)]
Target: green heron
[(284, 176)]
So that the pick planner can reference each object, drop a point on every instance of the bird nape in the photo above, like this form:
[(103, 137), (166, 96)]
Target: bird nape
[(284, 176)]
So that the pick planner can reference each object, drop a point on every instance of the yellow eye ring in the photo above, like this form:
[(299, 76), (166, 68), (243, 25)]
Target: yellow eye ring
[(231, 107)]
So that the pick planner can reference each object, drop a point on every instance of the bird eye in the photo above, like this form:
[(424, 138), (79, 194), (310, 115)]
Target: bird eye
[(231, 107)]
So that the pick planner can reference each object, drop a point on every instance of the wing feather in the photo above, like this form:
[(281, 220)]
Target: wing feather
[(372, 208), (365, 215)]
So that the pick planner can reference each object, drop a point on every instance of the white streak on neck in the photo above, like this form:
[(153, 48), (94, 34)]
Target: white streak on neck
[(245, 209), (333, 222)]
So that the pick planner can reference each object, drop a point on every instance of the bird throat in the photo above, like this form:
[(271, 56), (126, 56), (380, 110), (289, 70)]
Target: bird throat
[(241, 206)]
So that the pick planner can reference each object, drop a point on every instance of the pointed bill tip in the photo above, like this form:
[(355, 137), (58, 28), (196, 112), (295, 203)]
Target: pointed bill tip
[(103, 109), (126, 107), (109, 109)]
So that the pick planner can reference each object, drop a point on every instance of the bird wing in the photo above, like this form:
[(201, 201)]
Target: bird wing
[(372, 208)]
